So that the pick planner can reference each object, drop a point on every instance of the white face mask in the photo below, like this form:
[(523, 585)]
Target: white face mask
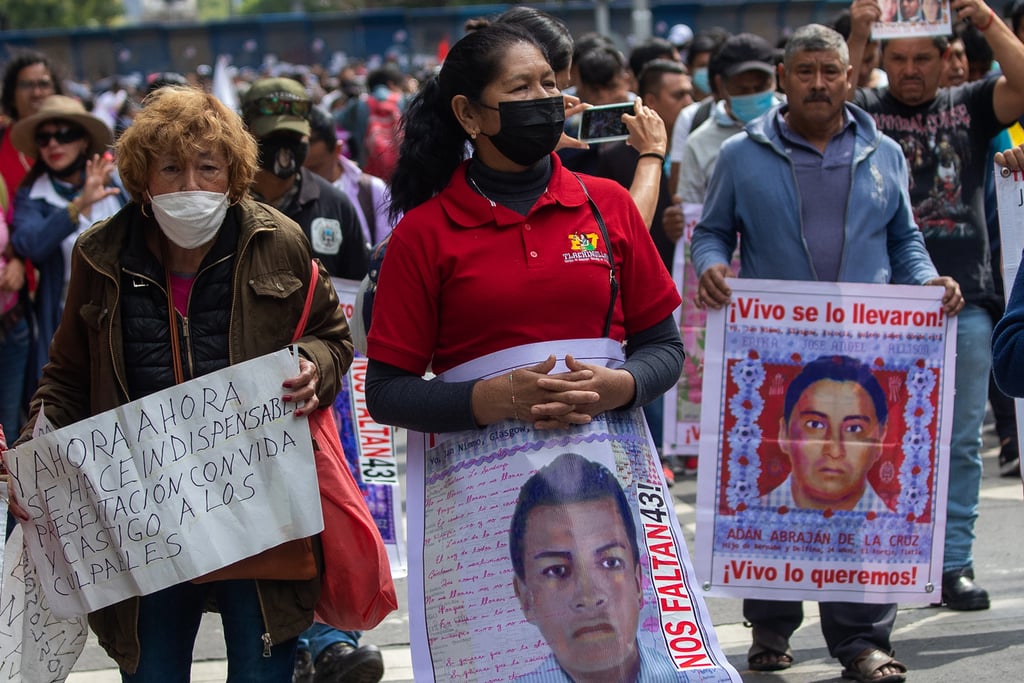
[(190, 219)]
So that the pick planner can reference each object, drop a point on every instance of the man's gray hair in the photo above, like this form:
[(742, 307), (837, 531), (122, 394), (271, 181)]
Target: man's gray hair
[(817, 38)]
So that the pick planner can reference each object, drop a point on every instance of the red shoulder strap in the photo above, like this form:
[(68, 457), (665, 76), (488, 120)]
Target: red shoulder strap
[(301, 326)]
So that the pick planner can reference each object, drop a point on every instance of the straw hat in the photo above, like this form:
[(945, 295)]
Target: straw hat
[(67, 109)]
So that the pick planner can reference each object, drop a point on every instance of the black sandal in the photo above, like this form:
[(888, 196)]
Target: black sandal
[(763, 658)]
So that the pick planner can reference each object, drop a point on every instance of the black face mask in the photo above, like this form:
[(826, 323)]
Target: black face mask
[(530, 129), (282, 155)]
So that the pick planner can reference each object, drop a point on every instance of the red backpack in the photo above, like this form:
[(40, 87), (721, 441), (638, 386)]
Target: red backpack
[(383, 136)]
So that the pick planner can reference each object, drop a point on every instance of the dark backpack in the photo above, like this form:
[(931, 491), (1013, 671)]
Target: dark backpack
[(702, 114), (382, 139)]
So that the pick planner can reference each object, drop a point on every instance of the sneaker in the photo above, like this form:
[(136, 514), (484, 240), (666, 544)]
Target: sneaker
[(342, 663), (1009, 458), (959, 592), (303, 672), (670, 476)]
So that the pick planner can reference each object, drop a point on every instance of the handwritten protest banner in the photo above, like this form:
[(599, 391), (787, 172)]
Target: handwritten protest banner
[(474, 618), (827, 412), (912, 18), (370, 448), (1010, 200), (167, 488), (35, 646)]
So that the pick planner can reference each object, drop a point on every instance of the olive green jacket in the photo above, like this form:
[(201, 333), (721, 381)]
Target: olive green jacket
[(86, 372)]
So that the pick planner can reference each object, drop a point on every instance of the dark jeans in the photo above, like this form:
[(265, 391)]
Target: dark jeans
[(169, 621), (849, 628)]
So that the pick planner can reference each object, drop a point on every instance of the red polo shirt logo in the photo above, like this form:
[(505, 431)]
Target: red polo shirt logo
[(583, 247)]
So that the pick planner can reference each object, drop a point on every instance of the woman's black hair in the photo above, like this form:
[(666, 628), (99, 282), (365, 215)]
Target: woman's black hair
[(14, 67), (433, 142), (549, 31)]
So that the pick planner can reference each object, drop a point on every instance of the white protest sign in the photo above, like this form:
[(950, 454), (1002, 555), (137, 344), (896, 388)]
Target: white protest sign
[(35, 646), (780, 514), (169, 487), (468, 622), (913, 19), (681, 426), (1010, 200), (370, 448)]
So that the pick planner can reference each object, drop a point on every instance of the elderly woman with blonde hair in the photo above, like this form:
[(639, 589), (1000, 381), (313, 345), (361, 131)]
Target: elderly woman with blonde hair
[(190, 277)]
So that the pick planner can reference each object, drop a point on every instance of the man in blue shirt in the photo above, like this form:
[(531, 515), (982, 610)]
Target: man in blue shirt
[(817, 193)]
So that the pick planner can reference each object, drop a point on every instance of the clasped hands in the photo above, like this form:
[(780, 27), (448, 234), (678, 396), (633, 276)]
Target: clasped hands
[(553, 401)]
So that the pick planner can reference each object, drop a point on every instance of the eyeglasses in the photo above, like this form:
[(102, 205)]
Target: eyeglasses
[(62, 135), (35, 85), (275, 106)]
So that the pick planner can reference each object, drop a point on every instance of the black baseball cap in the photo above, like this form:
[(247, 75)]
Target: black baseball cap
[(744, 52)]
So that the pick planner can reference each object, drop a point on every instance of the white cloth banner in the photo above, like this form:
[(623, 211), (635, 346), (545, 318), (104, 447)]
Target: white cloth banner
[(35, 646), (1010, 199), (167, 488), (681, 424), (473, 619), (370, 449), (826, 421)]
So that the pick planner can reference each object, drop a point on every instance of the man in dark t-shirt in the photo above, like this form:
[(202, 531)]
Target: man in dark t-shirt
[(944, 133)]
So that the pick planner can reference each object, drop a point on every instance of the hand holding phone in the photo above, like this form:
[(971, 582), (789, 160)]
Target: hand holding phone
[(604, 123)]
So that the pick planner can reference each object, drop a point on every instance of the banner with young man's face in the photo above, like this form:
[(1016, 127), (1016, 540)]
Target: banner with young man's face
[(912, 19), (551, 555), (827, 417)]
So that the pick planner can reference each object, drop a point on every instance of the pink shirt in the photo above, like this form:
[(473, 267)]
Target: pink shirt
[(181, 287)]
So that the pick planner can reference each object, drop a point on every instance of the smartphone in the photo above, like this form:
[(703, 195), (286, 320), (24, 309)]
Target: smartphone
[(604, 123)]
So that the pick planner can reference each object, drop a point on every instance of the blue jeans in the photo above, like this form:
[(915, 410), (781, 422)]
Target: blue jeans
[(973, 365), (169, 621), (319, 637), (13, 359)]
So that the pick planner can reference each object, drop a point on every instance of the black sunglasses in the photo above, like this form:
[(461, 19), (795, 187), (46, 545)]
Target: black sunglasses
[(62, 135)]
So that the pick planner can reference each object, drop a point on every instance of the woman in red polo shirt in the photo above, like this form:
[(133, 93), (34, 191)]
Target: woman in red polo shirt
[(509, 248)]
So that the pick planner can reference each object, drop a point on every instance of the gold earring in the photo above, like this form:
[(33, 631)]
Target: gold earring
[(473, 135)]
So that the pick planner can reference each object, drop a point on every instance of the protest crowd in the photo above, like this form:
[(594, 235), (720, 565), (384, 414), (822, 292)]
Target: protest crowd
[(154, 232)]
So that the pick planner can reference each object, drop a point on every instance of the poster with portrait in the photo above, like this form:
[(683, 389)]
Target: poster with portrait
[(681, 425), (912, 18), (1010, 200), (370, 448), (827, 413), (533, 552)]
